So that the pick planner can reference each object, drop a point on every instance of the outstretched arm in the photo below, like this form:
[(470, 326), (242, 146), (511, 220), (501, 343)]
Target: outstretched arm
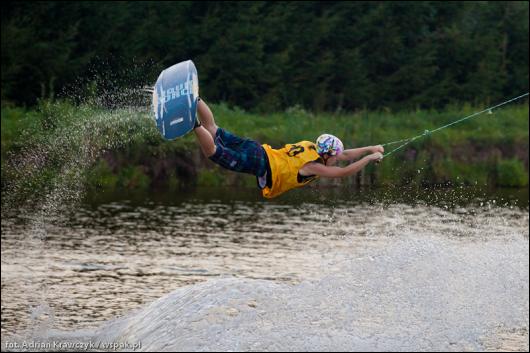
[(338, 172), (355, 153)]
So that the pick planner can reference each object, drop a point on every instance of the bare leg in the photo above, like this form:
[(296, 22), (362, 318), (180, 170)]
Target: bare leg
[(206, 117), (205, 140)]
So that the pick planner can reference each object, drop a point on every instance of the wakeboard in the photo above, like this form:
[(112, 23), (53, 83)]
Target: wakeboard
[(175, 98)]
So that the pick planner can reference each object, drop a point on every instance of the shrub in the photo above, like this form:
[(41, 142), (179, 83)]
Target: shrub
[(511, 173)]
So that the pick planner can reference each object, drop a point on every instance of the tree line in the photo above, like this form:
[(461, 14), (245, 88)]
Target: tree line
[(268, 56)]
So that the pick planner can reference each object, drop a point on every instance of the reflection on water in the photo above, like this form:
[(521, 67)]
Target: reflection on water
[(372, 271)]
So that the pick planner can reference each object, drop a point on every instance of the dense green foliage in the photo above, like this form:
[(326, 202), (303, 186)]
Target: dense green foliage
[(60, 143), (74, 114), (268, 56)]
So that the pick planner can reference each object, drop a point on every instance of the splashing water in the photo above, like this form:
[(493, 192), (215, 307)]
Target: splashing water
[(268, 276), (75, 138), (246, 276)]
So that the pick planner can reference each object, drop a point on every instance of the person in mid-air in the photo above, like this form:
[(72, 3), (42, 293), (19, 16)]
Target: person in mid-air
[(279, 170)]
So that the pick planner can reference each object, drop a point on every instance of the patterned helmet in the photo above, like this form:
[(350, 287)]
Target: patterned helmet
[(329, 144)]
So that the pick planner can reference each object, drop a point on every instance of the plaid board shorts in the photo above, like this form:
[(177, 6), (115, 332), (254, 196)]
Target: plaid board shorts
[(239, 154)]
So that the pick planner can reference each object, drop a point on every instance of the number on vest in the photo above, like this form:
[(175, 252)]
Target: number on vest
[(295, 149)]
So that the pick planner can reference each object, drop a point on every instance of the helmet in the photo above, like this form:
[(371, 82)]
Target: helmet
[(329, 144)]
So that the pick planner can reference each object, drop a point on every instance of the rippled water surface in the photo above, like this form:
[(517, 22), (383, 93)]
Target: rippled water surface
[(225, 272)]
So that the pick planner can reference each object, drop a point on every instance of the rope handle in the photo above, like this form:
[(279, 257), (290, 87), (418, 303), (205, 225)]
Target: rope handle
[(428, 133)]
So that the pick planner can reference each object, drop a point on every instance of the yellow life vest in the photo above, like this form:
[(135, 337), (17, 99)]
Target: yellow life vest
[(285, 163)]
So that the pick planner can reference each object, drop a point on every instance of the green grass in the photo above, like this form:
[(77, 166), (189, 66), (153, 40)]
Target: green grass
[(368, 128), (512, 173), (122, 148)]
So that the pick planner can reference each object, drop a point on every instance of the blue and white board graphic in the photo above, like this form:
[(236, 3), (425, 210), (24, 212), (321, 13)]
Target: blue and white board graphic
[(175, 97)]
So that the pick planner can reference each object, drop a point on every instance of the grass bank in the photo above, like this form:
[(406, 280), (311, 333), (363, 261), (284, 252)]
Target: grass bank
[(121, 149)]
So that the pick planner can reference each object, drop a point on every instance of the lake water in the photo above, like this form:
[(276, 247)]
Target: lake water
[(222, 269)]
